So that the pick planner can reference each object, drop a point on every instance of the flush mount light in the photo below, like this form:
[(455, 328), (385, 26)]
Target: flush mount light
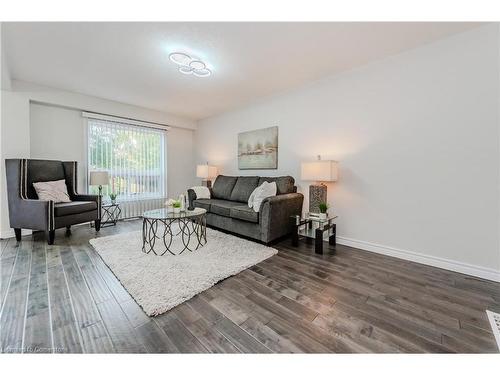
[(197, 64), (180, 58), (202, 72), (189, 65), (185, 70)]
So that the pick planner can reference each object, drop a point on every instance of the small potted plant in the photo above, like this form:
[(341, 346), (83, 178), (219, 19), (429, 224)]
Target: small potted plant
[(169, 204), (323, 207), (177, 207), (113, 194)]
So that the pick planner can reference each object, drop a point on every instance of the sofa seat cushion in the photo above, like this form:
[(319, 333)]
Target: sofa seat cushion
[(244, 213), (71, 208), (222, 207), (202, 203), (223, 187), (243, 188)]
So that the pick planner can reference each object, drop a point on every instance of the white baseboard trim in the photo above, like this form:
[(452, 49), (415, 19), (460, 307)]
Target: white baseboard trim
[(451, 265), (9, 233)]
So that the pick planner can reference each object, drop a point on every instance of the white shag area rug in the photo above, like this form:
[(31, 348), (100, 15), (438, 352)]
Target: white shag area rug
[(159, 283)]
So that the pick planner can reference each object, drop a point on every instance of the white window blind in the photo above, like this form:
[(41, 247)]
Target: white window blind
[(134, 156)]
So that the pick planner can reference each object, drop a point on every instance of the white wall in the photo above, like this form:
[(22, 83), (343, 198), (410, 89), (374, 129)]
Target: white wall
[(41, 122), (417, 139), (59, 133), (15, 138), (180, 161), (5, 82)]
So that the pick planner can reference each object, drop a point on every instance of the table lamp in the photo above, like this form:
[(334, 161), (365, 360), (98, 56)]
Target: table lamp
[(320, 171), (206, 173), (99, 178)]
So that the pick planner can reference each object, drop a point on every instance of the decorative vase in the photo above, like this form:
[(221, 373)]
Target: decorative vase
[(323, 216), (177, 210), (113, 201)]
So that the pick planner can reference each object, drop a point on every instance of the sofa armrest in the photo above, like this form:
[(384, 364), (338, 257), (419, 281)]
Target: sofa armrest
[(275, 215), (32, 214), (191, 199)]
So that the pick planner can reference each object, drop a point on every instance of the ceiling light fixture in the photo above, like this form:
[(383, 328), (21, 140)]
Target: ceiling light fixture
[(197, 64), (189, 65), (180, 58), (185, 70)]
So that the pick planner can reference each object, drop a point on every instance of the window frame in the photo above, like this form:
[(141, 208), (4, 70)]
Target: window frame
[(127, 123)]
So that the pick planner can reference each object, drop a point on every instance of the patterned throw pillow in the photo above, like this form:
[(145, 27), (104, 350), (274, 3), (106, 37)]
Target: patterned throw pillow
[(52, 191)]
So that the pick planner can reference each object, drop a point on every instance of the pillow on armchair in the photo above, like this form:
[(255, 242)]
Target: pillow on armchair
[(52, 191)]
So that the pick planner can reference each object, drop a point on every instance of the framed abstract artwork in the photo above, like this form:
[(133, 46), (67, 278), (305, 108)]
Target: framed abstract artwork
[(258, 149)]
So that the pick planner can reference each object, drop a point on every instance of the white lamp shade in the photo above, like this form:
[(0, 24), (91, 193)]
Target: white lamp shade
[(206, 171), (320, 170), (99, 178)]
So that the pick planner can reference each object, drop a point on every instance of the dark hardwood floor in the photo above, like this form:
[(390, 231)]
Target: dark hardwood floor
[(63, 298)]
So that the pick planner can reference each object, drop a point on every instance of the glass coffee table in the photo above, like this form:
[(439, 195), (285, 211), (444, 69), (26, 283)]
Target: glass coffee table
[(313, 228), (159, 227)]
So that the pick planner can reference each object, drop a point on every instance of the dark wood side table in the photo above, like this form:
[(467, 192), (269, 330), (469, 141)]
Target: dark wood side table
[(314, 228)]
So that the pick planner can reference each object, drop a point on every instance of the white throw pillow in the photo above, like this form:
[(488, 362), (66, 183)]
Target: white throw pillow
[(252, 196), (202, 192), (266, 190), (52, 191)]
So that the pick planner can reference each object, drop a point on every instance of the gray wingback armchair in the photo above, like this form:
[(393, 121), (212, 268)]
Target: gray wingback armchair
[(26, 211)]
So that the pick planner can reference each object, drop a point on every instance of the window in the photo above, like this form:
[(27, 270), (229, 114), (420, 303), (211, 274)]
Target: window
[(134, 156)]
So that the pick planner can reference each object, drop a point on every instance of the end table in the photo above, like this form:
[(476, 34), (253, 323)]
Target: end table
[(110, 213), (314, 228)]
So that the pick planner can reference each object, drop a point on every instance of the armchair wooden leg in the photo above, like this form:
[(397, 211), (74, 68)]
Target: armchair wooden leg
[(68, 230), (97, 225), (17, 231), (50, 236)]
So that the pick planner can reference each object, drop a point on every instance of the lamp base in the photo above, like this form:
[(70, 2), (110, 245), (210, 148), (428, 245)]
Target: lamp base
[(317, 195), (206, 183)]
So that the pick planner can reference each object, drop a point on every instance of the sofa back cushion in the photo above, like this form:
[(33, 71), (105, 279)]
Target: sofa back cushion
[(244, 187), (285, 184), (42, 171), (223, 187)]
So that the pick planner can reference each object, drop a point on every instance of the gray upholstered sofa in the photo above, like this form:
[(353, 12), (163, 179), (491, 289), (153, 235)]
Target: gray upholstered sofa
[(26, 211), (228, 208)]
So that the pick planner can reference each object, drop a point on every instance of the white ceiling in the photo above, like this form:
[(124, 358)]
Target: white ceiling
[(128, 62)]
